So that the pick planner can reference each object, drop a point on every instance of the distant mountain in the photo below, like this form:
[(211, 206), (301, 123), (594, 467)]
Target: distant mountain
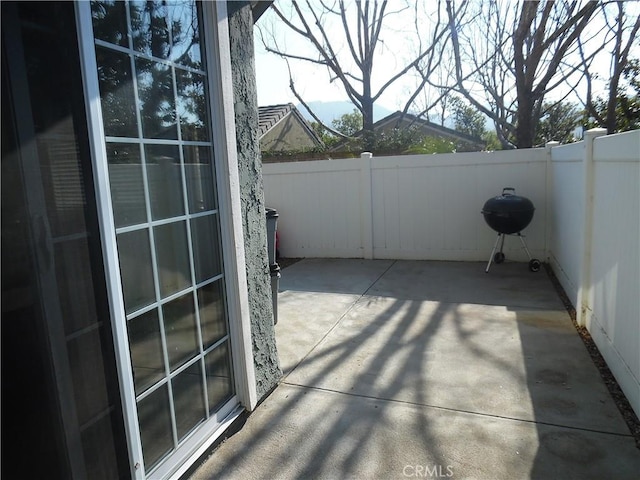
[(329, 111)]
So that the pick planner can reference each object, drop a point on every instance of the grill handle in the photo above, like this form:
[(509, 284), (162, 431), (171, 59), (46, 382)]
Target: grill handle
[(511, 189)]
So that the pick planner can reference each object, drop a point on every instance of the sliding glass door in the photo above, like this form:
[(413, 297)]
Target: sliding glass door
[(61, 409), (153, 82)]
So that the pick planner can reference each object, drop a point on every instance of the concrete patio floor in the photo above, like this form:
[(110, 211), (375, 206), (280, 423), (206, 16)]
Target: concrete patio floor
[(416, 369)]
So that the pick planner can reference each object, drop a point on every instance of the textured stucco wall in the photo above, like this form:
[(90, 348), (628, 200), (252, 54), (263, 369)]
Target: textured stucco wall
[(252, 196)]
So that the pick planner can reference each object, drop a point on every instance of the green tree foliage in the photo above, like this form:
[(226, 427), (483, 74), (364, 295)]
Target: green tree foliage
[(467, 119), (557, 123), (491, 141), (432, 145), (349, 123), (627, 105), (402, 141), (328, 139)]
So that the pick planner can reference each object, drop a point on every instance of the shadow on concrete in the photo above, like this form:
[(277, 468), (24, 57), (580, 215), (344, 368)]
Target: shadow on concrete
[(344, 424), (414, 378)]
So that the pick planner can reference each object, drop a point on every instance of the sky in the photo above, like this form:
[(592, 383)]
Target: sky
[(312, 81)]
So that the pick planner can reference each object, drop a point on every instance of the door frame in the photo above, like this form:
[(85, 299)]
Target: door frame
[(218, 60)]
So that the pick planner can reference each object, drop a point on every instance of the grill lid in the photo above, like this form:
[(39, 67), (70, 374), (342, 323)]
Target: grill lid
[(508, 202), (508, 213)]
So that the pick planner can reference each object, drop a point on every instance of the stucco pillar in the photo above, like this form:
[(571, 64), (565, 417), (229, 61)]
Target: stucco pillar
[(252, 197)]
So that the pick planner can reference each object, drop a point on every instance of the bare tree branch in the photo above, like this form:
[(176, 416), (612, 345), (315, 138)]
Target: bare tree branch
[(311, 112), (363, 26), (532, 42)]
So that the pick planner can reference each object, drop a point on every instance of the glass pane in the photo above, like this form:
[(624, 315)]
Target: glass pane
[(110, 22), (173, 258), (165, 181), (185, 33), (60, 166), (218, 372), (200, 179), (87, 372), (157, 105), (188, 399), (134, 254), (146, 350), (100, 455), (212, 313), (116, 93), (204, 233), (75, 284), (180, 330), (127, 188), (191, 105), (154, 418), (149, 28), (59, 378)]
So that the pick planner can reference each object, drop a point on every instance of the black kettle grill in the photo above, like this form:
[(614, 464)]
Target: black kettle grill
[(509, 214)]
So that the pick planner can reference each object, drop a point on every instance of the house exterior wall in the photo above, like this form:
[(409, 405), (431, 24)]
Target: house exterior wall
[(288, 134), (252, 198)]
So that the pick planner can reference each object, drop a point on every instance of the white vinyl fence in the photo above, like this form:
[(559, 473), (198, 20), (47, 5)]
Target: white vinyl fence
[(594, 244), (404, 207), (586, 222)]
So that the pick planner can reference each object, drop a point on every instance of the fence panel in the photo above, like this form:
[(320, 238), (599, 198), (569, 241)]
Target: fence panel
[(319, 207), (428, 206), (615, 258), (567, 215)]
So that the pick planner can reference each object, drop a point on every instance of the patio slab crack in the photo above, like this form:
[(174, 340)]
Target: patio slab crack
[(457, 410)]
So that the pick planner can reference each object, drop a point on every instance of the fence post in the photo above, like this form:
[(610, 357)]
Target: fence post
[(366, 205), (548, 198), (584, 289)]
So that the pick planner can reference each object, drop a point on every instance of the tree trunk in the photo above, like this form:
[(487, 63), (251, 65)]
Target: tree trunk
[(612, 103), (525, 126), (368, 135)]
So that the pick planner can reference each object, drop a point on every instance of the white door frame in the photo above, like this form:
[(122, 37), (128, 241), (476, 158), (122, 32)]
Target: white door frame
[(216, 38)]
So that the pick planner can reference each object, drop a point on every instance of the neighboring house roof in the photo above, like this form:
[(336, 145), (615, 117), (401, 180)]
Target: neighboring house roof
[(407, 120), (282, 127), (258, 7), (269, 115)]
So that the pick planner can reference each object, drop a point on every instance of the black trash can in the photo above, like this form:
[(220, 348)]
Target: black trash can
[(272, 226), (274, 270)]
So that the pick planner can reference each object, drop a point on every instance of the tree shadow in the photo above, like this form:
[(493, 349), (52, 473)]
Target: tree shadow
[(443, 380), (406, 324)]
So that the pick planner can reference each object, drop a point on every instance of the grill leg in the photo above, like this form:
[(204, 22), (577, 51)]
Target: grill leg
[(524, 245), (493, 252)]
